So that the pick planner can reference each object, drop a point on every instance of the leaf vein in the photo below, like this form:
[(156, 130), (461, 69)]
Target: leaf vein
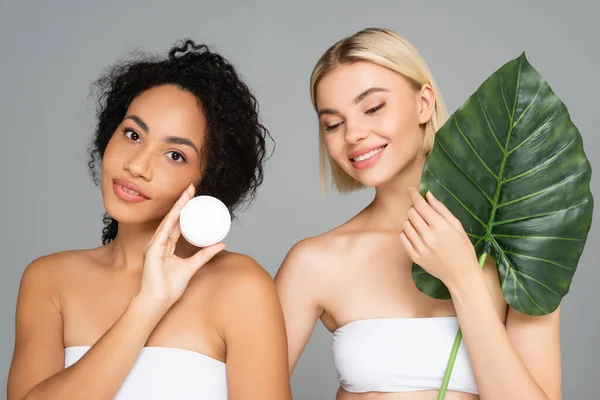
[(538, 237), (528, 105), (543, 163), (473, 149), (549, 188), (512, 270), (504, 97), (456, 198), (538, 259), (517, 280), (536, 281), (538, 130), (509, 221), (517, 91), (464, 172), (489, 124)]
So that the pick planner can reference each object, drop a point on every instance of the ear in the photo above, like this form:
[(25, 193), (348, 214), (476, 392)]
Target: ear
[(426, 103)]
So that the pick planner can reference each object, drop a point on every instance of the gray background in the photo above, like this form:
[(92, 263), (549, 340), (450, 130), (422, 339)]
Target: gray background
[(52, 51)]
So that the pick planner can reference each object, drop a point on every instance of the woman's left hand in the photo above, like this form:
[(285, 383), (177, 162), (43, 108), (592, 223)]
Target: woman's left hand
[(436, 240)]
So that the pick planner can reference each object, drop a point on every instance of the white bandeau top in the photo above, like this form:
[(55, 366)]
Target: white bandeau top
[(168, 373), (400, 355)]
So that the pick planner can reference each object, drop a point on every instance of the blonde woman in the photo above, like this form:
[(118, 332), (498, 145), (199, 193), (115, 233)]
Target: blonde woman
[(379, 107)]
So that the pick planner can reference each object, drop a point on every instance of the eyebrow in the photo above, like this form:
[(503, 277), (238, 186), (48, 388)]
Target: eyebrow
[(356, 100), (139, 121), (168, 139), (182, 141)]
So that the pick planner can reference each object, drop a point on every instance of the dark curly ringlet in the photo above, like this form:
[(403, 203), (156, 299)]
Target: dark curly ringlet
[(235, 143)]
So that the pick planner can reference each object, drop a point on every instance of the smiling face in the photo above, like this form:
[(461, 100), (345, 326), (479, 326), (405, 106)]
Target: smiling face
[(373, 120), (153, 155)]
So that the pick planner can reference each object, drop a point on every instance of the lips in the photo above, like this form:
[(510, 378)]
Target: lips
[(366, 153), (129, 188), (366, 157)]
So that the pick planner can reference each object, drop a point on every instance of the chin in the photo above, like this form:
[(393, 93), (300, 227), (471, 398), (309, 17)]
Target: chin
[(373, 182), (374, 177), (128, 213)]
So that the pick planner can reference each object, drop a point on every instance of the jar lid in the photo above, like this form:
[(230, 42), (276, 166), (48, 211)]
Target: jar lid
[(204, 221)]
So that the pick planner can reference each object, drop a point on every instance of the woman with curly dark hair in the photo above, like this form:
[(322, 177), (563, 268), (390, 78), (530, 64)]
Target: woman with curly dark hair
[(147, 315)]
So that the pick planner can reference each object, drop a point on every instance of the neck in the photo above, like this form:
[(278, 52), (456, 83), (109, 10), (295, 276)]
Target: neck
[(127, 249), (391, 203)]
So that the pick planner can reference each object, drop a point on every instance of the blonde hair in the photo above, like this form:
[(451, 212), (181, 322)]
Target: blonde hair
[(388, 49)]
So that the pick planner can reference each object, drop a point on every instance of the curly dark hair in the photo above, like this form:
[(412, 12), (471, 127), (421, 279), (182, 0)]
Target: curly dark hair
[(235, 146)]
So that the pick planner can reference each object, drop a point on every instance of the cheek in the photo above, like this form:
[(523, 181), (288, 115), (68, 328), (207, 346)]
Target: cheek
[(111, 154), (404, 129), (334, 144), (174, 179)]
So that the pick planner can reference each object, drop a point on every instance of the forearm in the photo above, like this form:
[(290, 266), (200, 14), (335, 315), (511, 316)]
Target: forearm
[(100, 373), (498, 369)]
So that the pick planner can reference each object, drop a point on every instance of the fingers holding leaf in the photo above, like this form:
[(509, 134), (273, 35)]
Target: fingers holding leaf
[(429, 215), (441, 209)]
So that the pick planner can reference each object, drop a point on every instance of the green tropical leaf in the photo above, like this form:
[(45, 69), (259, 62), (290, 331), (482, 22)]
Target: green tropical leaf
[(510, 165)]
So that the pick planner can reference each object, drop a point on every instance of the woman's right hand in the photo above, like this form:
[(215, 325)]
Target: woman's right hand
[(165, 275)]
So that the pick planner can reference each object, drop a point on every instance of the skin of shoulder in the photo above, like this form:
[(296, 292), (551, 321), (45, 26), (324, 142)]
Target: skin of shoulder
[(226, 275), (48, 270), (321, 255), (322, 247), (239, 285), (231, 269), (38, 304), (250, 321), (312, 265)]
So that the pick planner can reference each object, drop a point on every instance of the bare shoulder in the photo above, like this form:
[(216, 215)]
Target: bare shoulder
[(309, 274), (51, 267), (240, 287), (231, 265), (45, 276), (320, 254), (232, 272), (334, 242)]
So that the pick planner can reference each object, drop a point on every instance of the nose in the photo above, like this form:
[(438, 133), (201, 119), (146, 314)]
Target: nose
[(355, 133), (140, 165)]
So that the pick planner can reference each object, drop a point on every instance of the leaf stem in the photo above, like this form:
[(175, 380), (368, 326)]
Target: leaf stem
[(455, 347)]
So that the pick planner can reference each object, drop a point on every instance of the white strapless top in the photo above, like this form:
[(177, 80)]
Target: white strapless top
[(400, 355), (168, 373)]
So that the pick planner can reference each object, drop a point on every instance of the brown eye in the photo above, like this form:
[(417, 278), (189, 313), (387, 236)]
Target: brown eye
[(176, 156), (132, 135)]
